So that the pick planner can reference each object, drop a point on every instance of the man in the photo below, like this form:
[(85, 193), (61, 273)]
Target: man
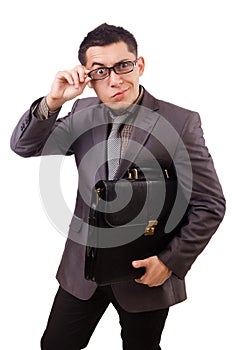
[(110, 65)]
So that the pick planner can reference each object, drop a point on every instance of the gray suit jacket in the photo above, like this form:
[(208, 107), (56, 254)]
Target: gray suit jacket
[(158, 124)]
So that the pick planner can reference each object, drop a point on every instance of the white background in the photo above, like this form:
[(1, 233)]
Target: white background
[(187, 48)]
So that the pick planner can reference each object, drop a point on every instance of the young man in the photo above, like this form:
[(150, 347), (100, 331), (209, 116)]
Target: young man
[(110, 65)]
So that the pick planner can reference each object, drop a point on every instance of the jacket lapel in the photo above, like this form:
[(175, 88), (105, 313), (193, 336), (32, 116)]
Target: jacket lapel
[(99, 134)]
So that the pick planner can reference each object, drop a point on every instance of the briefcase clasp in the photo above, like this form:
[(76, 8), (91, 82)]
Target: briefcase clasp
[(133, 174), (150, 229), (97, 191)]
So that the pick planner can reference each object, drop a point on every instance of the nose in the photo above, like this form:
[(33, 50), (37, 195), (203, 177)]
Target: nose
[(115, 79)]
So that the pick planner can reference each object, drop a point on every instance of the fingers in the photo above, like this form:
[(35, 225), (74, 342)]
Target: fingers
[(142, 263), (82, 74), (75, 77), (156, 272), (151, 280), (142, 279)]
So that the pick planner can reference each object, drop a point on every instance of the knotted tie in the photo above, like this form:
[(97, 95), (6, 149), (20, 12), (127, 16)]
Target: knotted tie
[(114, 146)]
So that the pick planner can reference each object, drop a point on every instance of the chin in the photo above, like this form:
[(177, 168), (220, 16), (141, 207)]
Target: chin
[(118, 105)]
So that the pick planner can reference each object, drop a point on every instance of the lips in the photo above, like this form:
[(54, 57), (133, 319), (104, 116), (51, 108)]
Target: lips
[(119, 94)]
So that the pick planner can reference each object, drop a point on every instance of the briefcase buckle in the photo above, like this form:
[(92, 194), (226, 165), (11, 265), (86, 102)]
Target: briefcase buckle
[(97, 192), (150, 229), (133, 174)]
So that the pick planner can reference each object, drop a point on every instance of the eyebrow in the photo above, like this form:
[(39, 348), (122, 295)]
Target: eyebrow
[(97, 64), (102, 65)]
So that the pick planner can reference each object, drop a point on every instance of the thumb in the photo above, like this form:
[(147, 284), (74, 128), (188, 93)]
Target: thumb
[(138, 263)]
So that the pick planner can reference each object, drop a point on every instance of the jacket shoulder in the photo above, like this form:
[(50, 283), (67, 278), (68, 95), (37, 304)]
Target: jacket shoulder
[(169, 107), (83, 103), (179, 117)]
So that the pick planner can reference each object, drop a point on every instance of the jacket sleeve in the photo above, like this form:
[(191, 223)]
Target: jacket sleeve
[(206, 202), (34, 137)]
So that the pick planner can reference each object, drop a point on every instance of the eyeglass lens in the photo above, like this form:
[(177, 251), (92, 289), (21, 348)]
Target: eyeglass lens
[(119, 68)]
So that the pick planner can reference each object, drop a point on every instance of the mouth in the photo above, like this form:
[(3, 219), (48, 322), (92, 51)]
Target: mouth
[(119, 94)]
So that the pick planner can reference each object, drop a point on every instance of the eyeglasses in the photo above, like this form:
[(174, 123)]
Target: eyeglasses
[(123, 67)]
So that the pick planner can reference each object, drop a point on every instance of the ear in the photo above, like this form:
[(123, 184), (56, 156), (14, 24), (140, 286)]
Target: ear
[(141, 65), (90, 84)]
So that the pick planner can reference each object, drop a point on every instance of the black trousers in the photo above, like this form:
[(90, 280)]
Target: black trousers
[(72, 322)]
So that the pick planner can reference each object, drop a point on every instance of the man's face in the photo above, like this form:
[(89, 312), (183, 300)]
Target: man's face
[(117, 91)]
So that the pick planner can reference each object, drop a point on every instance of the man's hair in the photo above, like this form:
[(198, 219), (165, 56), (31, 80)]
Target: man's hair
[(106, 34)]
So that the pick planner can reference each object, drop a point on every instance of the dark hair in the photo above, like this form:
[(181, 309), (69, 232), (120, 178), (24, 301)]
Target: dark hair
[(103, 35)]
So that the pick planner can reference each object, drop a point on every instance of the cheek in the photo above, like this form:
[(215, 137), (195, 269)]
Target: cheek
[(134, 80), (101, 93)]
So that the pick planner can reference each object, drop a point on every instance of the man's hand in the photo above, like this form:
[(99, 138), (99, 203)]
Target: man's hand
[(156, 272), (66, 86)]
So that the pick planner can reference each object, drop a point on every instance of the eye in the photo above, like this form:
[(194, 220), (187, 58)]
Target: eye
[(123, 65), (101, 71)]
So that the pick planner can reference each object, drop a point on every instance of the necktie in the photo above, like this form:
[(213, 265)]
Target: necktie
[(114, 146)]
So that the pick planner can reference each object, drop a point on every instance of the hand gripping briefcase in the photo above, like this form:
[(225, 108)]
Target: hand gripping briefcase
[(126, 223)]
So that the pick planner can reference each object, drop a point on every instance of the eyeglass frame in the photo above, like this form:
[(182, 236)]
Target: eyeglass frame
[(113, 68)]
